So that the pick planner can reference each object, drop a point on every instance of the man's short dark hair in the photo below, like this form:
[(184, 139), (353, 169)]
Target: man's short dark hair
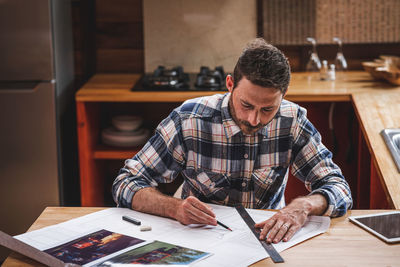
[(264, 65)]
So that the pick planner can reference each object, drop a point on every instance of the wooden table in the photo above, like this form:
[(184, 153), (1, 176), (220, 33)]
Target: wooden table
[(343, 245)]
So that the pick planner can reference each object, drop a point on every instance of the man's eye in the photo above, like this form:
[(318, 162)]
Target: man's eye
[(266, 110), (246, 105)]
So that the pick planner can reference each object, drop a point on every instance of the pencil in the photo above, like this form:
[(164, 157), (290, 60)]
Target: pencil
[(223, 225)]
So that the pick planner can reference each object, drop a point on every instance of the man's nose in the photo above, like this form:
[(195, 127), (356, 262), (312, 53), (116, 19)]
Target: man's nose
[(254, 118)]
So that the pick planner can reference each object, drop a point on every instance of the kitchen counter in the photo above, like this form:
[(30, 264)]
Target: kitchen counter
[(117, 88), (377, 106), (376, 111)]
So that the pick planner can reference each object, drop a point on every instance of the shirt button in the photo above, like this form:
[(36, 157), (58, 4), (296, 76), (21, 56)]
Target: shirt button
[(243, 184), (212, 184), (246, 156)]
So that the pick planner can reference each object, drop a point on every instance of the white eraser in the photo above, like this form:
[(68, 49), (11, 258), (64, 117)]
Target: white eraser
[(145, 228)]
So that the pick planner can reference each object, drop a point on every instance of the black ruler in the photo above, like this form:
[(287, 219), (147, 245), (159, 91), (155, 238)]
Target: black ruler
[(250, 223)]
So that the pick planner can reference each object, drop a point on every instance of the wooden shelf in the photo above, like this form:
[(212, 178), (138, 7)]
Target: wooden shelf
[(109, 152)]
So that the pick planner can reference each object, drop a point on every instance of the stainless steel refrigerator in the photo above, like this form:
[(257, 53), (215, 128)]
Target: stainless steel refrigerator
[(37, 157)]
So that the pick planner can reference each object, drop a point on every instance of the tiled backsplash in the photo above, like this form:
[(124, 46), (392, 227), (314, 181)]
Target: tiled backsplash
[(194, 33), (289, 22)]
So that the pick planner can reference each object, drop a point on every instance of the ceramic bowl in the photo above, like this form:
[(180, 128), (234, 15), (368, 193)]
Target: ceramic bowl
[(113, 137), (126, 123)]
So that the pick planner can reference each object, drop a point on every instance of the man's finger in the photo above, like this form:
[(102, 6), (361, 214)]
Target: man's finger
[(281, 232), (274, 231), (200, 212), (201, 217), (195, 219), (201, 206), (289, 234), (266, 227), (260, 224)]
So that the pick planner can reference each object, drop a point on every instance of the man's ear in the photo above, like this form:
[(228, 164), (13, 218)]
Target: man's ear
[(229, 83)]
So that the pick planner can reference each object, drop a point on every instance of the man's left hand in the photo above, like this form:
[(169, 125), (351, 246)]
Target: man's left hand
[(287, 221)]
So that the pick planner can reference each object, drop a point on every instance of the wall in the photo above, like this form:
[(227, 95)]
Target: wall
[(195, 33), (109, 37), (288, 22)]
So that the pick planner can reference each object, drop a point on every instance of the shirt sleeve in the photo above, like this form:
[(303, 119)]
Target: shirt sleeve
[(312, 163), (159, 161)]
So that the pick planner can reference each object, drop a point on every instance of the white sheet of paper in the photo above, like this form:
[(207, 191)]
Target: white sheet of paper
[(237, 248)]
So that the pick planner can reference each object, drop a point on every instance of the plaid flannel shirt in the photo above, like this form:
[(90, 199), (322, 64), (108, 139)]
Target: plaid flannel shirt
[(222, 165)]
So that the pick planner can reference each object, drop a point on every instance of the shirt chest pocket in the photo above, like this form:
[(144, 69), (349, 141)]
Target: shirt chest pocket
[(268, 178), (214, 186)]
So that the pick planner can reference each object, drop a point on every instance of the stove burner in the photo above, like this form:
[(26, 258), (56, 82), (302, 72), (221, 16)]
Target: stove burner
[(175, 79), (210, 79), (167, 79)]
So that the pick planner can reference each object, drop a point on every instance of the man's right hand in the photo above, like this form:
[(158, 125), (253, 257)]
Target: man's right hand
[(186, 211), (193, 211)]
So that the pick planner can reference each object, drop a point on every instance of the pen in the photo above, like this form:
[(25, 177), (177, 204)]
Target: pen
[(223, 225), (131, 220)]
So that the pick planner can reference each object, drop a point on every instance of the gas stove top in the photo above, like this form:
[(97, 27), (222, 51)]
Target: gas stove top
[(176, 79)]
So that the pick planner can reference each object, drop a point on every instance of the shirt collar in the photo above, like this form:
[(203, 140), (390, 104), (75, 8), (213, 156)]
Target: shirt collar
[(230, 126)]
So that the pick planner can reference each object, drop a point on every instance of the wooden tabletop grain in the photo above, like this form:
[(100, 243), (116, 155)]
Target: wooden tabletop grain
[(344, 244)]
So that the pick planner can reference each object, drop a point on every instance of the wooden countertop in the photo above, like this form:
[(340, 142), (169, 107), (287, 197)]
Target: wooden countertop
[(344, 244), (377, 111), (377, 106), (117, 88)]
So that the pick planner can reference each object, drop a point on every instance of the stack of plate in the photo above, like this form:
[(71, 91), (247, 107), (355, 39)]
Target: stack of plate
[(126, 132)]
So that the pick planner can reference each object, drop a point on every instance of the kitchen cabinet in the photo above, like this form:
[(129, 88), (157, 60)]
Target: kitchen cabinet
[(105, 95)]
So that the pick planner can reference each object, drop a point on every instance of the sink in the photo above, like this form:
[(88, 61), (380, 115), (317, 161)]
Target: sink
[(392, 140)]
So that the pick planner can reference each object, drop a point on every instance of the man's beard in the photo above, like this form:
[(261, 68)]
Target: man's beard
[(244, 125)]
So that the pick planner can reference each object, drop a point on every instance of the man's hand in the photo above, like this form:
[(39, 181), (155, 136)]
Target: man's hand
[(192, 210), (287, 221), (186, 211)]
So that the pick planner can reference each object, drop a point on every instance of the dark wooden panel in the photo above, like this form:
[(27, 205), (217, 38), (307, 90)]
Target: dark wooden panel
[(293, 54), (117, 35), (120, 60), (119, 11), (83, 29), (79, 72)]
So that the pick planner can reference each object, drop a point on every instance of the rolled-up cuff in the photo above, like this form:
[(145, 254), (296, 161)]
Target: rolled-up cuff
[(126, 195), (330, 199)]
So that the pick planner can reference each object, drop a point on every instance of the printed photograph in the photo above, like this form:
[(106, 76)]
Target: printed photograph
[(158, 253), (92, 247)]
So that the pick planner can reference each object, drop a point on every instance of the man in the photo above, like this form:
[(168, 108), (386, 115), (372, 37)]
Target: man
[(237, 148)]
